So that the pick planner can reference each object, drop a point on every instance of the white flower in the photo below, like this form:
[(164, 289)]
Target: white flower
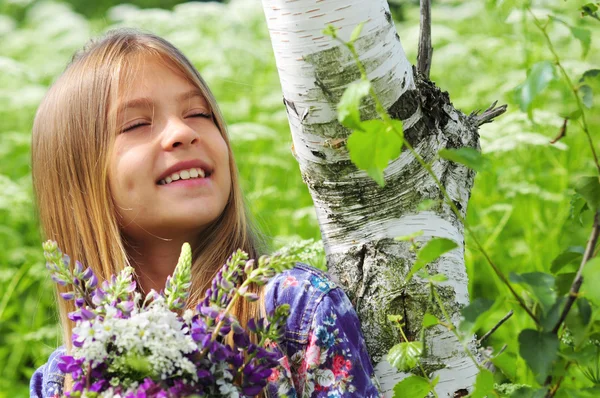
[(228, 389), (325, 377)]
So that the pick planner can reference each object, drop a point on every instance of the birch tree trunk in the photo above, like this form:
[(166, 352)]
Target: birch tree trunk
[(359, 220)]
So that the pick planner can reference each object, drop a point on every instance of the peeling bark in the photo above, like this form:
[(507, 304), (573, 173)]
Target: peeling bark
[(358, 219)]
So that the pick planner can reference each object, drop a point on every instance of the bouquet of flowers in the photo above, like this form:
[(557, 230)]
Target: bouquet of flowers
[(126, 345)]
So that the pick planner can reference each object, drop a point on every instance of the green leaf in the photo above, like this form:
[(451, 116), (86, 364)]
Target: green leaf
[(356, 32), (551, 317), (374, 147), (578, 320), (538, 79), (589, 188), (539, 284), (430, 320), (472, 313), (470, 157), (563, 282), (589, 74), (539, 350), (583, 35), (484, 384), (430, 252), (330, 30), (427, 204), (587, 96), (409, 236), (348, 108), (396, 319), (412, 387), (590, 10), (405, 356), (528, 392), (570, 256), (577, 207), (591, 281), (437, 278)]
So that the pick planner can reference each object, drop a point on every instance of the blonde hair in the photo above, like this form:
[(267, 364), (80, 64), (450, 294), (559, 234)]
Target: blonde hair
[(73, 134)]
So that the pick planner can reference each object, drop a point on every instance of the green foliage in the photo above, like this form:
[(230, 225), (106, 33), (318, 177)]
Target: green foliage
[(538, 79), (484, 384), (432, 250), (589, 188), (467, 156), (412, 387), (539, 350), (473, 312), (348, 107), (373, 145), (405, 356), (522, 209)]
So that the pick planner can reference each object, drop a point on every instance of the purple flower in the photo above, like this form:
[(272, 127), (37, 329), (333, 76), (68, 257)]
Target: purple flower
[(210, 312), (251, 391), (78, 267), (87, 314), (69, 364), (68, 296), (219, 352), (58, 279), (97, 386), (93, 282), (98, 296), (87, 274), (241, 340)]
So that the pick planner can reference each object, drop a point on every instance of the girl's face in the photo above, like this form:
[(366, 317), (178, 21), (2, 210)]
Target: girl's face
[(169, 170)]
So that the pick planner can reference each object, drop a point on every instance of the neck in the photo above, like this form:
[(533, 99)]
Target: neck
[(154, 260)]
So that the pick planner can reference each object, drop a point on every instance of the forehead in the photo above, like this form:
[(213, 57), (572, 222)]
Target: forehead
[(152, 79)]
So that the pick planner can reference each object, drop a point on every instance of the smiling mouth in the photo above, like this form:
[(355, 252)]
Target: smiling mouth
[(188, 174)]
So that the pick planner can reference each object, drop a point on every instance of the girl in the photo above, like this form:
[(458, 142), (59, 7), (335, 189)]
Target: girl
[(130, 159)]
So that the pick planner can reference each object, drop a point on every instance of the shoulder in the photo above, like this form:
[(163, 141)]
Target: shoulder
[(304, 288), (47, 381)]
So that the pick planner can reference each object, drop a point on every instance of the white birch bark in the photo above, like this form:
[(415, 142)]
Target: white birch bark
[(359, 220)]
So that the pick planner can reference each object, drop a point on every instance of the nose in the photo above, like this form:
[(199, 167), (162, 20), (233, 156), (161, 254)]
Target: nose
[(178, 134)]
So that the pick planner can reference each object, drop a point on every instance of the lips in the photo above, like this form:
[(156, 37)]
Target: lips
[(186, 165)]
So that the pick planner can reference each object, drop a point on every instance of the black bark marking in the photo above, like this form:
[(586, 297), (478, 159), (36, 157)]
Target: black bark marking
[(388, 17), (318, 154)]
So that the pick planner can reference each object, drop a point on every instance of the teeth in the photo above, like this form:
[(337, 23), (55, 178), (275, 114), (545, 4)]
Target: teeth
[(184, 175)]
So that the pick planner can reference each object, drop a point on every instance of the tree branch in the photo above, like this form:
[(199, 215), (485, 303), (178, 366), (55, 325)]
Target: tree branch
[(489, 114), (589, 253), (425, 48), (492, 330)]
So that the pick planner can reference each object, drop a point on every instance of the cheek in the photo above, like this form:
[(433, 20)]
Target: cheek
[(122, 175)]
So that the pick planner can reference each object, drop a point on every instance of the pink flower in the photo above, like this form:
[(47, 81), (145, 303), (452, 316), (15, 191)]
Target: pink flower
[(274, 376), (290, 281), (338, 364), (313, 354), (285, 363)]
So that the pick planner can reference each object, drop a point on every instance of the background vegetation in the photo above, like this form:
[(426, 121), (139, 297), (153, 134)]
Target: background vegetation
[(520, 206)]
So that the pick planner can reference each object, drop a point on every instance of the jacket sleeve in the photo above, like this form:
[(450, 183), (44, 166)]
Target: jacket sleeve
[(335, 362), (36, 383), (47, 381)]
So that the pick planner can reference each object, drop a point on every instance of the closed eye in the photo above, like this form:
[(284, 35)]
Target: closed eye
[(201, 114), (134, 126)]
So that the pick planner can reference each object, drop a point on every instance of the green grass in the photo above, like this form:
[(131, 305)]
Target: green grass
[(519, 208)]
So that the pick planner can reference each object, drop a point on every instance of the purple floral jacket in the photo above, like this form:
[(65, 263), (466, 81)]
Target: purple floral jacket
[(323, 351)]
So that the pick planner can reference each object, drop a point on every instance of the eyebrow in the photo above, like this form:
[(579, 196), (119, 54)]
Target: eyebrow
[(146, 102)]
